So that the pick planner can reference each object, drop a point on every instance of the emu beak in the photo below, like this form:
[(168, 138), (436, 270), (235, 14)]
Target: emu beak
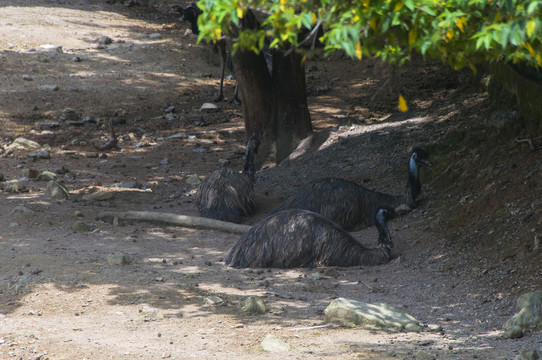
[(425, 163)]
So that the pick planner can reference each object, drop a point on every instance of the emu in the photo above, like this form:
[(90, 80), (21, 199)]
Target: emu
[(301, 238), (190, 14), (226, 194), (350, 204)]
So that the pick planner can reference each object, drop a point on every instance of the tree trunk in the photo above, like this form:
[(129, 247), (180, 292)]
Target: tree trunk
[(274, 105), (292, 121)]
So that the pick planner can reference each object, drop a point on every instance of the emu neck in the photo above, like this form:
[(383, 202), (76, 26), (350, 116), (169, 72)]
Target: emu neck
[(413, 187)]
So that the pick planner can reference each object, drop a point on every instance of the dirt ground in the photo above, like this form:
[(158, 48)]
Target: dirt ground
[(464, 255)]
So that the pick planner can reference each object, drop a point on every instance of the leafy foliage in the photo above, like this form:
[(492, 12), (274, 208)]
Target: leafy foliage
[(460, 32)]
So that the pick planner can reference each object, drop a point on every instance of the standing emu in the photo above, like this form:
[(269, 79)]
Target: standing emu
[(226, 194), (190, 14), (301, 238), (349, 204)]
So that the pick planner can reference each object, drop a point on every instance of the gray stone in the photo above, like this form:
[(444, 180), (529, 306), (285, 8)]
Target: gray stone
[(80, 226), (25, 143), (43, 154), (49, 47), (253, 305), (213, 300), (29, 173), (402, 209), (529, 355), (155, 36), (352, 313), (130, 185), (271, 343), (48, 87), (209, 107), (56, 190), (118, 259), (528, 317), (69, 114), (164, 161), (193, 179), (104, 40)]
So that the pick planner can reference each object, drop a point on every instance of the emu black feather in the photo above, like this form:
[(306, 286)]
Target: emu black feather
[(226, 194), (301, 238), (350, 204)]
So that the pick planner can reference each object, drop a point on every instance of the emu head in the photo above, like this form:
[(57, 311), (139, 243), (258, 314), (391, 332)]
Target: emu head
[(381, 218), (190, 14), (419, 157)]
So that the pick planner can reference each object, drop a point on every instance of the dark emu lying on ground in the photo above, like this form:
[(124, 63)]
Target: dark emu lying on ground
[(300, 238), (349, 204), (226, 194)]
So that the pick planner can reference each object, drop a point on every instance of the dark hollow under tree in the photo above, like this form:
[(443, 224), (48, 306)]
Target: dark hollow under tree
[(351, 205), (301, 238)]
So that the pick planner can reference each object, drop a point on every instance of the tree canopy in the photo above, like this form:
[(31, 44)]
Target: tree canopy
[(459, 32)]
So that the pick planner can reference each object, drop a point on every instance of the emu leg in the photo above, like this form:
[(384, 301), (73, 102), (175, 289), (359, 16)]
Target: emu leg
[(222, 54), (236, 100)]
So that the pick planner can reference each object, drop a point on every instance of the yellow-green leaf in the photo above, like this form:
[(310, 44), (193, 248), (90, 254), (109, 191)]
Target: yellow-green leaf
[(239, 13), (412, 35), (530, 49), (473, 69), (461, 23), (358, 50), (530, 27), (372, 24), (403, 107), (450, 34), (398, 6)]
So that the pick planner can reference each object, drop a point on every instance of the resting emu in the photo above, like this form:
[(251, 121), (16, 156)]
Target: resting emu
[(190, 14), (301, 238), (226, 194), (350, 204)]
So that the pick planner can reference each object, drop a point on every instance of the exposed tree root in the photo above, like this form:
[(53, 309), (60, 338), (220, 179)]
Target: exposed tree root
[(173, 219)]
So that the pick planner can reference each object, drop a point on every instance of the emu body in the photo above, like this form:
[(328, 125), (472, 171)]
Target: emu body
[(226, 194), (300, 238), (350, 204)]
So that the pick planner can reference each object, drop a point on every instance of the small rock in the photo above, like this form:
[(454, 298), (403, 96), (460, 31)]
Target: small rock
[(56, 190), (170, 109), (48, 87), (47, 176), (529, 355), (423, 355), (529, 315), (164, 161), (104, 40), (78, 214), (130, 185), (253, 304), (25, 143), (271, 343), (48, 47), (117, 259), (402, 209), (43, 154), (80, 226), (27, 78), (30, 173), (434, 328), (193, 180), (171, 117), (213, 300), (155, 36), (76, 59), (209, 107)]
